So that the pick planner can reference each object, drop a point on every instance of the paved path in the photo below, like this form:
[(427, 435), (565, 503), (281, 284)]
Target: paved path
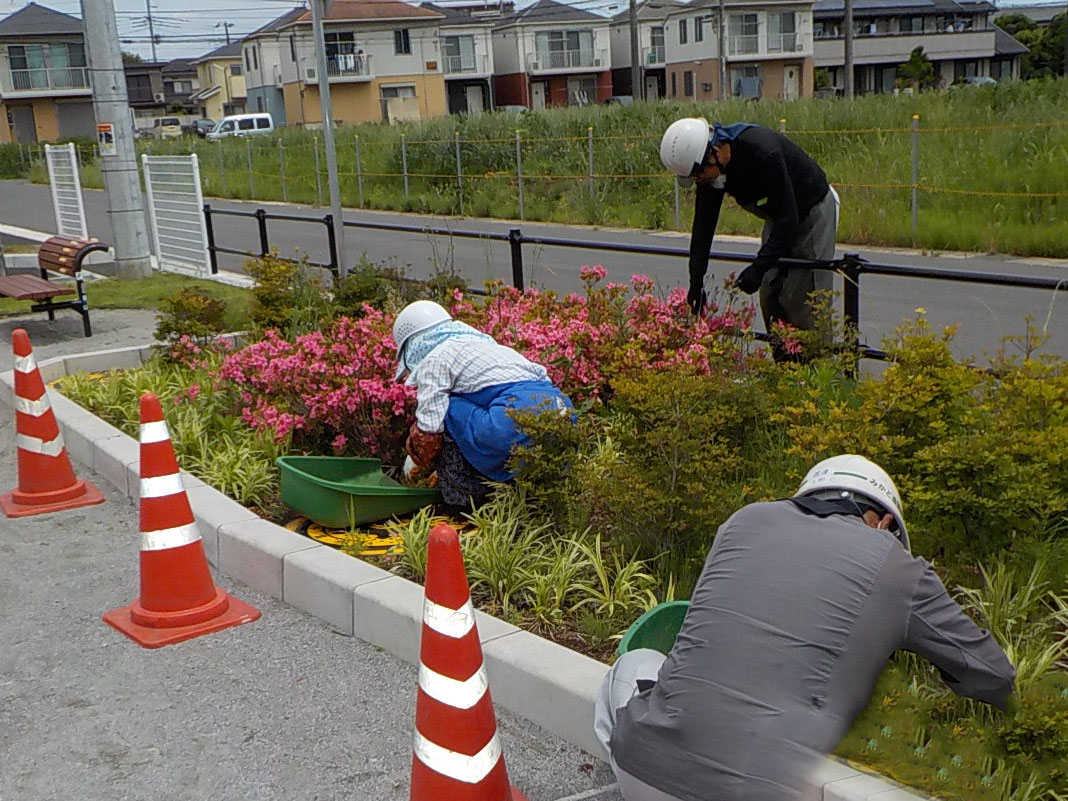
[(984, 313), (283, 708)]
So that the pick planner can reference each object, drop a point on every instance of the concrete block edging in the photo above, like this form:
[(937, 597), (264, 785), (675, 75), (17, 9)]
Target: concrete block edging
[(529, 675)]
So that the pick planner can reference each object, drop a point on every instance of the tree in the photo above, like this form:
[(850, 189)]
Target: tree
[(1015, 22), (131, 58), (918, 70)]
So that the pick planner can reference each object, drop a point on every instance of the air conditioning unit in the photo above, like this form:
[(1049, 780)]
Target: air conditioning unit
[(799, 47), (534, 65), (311, 72), (278, 79), (158, 97), (597, 62)]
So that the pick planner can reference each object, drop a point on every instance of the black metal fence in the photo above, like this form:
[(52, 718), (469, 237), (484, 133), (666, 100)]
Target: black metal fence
[(852, 265)]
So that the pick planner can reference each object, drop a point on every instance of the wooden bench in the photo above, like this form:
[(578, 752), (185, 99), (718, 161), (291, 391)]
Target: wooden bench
[(62, 255)]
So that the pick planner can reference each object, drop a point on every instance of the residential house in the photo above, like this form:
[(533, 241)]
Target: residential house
[(467, 58), (144, 90), (222, 80), (263, 51), (551, 54), (652, 52), (384, 63), (959, 38), (768, 50), (180, 81), (45, 92)]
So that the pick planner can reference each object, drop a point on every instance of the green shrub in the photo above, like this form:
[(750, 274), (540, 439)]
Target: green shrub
[(191, 312), (286, 297)]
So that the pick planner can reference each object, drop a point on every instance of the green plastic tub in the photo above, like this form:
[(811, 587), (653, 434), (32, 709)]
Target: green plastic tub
[(656, 629), (344, 492)]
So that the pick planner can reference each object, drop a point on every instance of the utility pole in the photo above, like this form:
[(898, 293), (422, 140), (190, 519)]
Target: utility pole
[(151, 30), (722, 44), (847, 23), (318, 8), (125, 206), (226, 26), (637, 90)]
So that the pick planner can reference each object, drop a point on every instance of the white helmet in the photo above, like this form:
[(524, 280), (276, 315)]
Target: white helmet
[(852, 473), (684, 146), (414, 318)]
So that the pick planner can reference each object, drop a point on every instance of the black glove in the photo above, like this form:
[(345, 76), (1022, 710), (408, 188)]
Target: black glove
[(748, 281), (696, 298)]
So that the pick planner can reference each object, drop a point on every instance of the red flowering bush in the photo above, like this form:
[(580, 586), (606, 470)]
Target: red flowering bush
[(334, 389)]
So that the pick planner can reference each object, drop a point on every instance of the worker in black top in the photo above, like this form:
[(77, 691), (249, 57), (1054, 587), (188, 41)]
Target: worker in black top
[(800, 604), (774, 179)]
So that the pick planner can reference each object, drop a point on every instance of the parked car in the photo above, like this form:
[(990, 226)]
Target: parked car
[(976, 80), (242, 125), (199, 127), (166, 128), (619, 100)]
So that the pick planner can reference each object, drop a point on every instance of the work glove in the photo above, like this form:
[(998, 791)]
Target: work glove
[(423, 447), (696, 298), (749, 280)]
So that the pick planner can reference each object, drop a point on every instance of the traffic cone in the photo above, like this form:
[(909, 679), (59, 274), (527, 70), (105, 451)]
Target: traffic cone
[(457, 753), (46, 479), (178, 599)]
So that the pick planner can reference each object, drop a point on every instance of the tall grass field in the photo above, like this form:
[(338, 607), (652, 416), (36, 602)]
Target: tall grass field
[(992, 165)]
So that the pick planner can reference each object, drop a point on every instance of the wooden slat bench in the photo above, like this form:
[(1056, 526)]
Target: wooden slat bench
[(62, 255)]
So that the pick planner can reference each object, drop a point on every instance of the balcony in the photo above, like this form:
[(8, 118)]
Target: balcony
[(890, 48), (467, 65), (558, 60), (784, 43), (345, 68), (44, 81), (654, 56), (743, 45)]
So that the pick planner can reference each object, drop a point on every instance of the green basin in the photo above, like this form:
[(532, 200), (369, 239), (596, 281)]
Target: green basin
[(344, 492), (656, 629)]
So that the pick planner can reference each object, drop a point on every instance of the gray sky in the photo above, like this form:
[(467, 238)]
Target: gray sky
[(193, 27)]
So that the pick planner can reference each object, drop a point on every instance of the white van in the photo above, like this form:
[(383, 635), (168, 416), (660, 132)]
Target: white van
[(242, 125)]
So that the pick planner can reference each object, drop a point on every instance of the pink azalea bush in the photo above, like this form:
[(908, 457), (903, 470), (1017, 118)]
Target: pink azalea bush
[(333, 390)]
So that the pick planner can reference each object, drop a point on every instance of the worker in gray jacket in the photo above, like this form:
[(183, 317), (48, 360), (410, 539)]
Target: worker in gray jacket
[(799, 606)]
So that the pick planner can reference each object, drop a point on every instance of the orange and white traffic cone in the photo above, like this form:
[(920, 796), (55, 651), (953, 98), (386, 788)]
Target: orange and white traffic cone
[(46, 479), (178, 599), (457, 751)]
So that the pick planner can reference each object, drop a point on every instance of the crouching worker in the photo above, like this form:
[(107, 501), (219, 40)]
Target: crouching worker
[(799, 606), (467, 388)]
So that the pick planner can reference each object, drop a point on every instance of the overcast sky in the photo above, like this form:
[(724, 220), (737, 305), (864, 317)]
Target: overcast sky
[(191, 28)]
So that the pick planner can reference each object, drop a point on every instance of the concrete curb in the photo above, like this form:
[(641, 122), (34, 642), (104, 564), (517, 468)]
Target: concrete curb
[(530, 676)]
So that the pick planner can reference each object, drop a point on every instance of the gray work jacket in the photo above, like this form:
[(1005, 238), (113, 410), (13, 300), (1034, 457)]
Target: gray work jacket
[(792, 620)]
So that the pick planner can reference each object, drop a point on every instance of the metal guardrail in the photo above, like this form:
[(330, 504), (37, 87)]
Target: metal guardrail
[(852, 265)]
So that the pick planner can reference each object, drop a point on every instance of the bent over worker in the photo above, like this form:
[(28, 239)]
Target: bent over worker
[(799, 606), (468, 388), (771, 177)]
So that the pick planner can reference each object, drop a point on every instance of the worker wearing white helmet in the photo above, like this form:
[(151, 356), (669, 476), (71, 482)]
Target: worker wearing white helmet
[(774, 179), (800, 604), (467, 386)]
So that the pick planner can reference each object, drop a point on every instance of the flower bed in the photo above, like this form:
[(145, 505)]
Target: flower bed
[(681, 423)]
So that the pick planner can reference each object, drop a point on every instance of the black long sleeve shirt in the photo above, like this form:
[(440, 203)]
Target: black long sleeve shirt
[(770, 177)]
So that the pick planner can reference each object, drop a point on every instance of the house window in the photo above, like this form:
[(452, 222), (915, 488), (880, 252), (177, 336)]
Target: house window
[(235, 69), (562, 49), (339, 44), (402, 43), (255, 58), (581, 90), (687, 83), (682, 32), (910, 25), (259, 104), (248, 60), (389, 92), (292, 47), (745, 81), (698, 30), (674, 84), (965, 69), (743, 31), (656, 39), (459, 53), (139, 88), (782, 32)]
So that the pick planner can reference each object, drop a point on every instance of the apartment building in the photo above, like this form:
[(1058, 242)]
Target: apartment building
[(262, 52), (551, 54), (144, 90), (959, 38), (384, 63), (652, 49), (466, 40), (767, 50), (45, 92)]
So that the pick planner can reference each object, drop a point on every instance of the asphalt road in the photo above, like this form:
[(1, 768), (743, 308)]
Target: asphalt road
[(280, 709), (984, 314)]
